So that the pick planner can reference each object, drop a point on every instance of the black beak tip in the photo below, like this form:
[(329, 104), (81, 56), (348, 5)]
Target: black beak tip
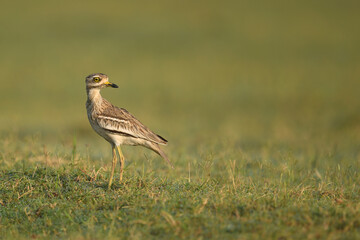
[(114, 85)]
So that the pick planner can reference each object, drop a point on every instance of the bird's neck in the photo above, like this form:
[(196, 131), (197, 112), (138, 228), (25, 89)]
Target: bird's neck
[(94, 95)]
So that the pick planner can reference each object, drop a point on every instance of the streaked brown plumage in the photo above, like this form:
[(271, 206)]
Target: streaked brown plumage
[(117, 125)]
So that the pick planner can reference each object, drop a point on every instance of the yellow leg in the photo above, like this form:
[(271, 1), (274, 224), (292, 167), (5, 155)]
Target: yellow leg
[(122, 160), (113, 165)]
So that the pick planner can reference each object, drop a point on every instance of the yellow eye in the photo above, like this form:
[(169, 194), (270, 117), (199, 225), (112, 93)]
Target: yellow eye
[(96, 79)]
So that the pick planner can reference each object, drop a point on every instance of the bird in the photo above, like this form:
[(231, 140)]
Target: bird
[(116, 125)]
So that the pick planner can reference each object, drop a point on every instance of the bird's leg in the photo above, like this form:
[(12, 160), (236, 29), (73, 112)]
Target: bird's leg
[(113, 165), (122, 160)]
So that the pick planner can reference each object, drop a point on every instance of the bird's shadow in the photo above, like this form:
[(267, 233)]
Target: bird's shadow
[(105, 185)]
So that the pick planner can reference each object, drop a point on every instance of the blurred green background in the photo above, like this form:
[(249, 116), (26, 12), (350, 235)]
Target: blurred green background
[(259, 101), (245, 74)]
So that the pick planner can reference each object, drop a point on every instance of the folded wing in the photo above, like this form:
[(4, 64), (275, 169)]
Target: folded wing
[(120, 121)]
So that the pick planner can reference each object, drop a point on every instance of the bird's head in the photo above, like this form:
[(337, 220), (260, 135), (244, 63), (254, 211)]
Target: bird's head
[(98, 80)]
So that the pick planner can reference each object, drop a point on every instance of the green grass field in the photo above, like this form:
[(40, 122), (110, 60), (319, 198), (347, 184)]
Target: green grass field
[(259, 101)]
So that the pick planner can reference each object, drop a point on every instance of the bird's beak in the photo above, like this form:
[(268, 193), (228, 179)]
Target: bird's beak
[(113, 85)]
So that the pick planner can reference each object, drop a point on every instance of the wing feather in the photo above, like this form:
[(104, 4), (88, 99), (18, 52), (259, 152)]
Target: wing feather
[(120, 121)]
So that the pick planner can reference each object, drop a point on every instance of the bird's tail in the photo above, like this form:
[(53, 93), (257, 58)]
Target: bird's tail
[(155, 147)]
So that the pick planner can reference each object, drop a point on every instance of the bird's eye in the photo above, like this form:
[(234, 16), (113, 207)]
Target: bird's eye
[(96, 79)]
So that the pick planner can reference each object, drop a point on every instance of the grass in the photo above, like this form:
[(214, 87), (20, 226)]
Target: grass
[(259, 103), (225, 194)]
